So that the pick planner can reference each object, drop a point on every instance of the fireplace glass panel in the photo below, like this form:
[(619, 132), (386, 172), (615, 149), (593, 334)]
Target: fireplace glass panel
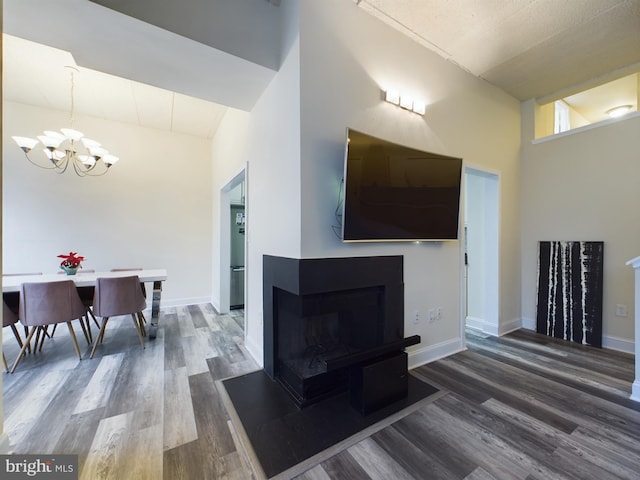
[(319, 327)]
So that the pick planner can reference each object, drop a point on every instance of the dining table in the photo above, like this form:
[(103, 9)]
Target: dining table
[(12, 283)]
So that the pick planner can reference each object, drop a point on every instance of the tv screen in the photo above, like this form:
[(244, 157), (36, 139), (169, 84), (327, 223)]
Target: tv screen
[(397, 193)]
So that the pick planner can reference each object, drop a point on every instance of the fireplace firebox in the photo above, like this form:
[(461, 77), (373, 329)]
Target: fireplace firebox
[(327, 319)]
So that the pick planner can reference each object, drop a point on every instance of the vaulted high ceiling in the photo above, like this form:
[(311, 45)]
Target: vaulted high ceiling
[(528, 48), (175, 63)]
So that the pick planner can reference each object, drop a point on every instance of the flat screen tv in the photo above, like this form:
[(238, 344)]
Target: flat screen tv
[(395, 193)]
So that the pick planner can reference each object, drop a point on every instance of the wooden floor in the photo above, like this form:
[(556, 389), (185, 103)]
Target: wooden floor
[(522, 406)]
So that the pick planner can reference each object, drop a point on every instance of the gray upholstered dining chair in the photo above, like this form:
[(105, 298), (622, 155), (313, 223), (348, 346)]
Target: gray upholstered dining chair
[(142, 285), (86, 295), (9, 319), (118, 296), (49, 303), (12, 299)]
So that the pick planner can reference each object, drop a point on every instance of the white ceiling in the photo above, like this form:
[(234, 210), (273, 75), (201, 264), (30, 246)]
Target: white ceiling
[(544, 49), (35, 74), (528, 48)]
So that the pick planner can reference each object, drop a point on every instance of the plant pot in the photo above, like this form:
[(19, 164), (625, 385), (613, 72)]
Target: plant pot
[(69, 270)]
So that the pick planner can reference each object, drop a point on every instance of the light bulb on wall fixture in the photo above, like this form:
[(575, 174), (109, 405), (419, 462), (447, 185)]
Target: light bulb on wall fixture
[(392, 96), (406, 102), (419, 107), (619, 111)]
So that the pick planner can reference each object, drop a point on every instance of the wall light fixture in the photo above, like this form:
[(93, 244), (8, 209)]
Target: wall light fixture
[(405, 101), (619, 111)]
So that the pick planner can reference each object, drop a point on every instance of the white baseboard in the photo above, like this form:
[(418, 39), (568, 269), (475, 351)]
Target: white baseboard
[(490, 328), (635, 391), (620, 344), (610, 342), (434, 352), (510, 326), (474, 322), (529, 323), (181, 302), (255, 351), (5, 447)]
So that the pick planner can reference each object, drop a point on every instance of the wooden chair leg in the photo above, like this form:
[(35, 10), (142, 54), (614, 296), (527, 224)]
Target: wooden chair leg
[(44, 332), (24, 347), (99, 336), (102, 332), (95, 320), (141, 322), (75, 340), (84, 324), (17, 335), (26, 334), (135, 323)]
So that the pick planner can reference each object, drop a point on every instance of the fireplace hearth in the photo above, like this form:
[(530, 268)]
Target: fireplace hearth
[(331, 324)]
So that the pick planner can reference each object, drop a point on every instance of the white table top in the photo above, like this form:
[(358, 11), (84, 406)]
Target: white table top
[(12, 283)]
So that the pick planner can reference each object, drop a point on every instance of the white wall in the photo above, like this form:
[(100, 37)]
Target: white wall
[(347, 59), (152, 210), (583, 186), (268, 144), (228, 158)]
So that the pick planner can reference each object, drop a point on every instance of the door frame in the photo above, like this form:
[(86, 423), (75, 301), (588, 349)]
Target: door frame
[(225, 242), (489, 246)]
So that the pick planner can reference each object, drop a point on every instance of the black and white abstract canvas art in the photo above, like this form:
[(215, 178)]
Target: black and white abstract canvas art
[(570, 291)]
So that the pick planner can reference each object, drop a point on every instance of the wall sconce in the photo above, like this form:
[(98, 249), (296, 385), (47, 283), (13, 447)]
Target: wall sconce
[(405, 101)]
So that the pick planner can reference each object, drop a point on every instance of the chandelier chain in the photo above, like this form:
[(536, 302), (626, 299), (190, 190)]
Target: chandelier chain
[(73, 103)]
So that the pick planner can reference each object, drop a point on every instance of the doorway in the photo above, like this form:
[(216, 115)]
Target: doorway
[(481, 213), (236, 263), (233, 267)]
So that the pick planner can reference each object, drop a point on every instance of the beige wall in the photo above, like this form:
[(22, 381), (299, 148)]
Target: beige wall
[(153, 209), (583, 186), (349, 58), (331, 79)]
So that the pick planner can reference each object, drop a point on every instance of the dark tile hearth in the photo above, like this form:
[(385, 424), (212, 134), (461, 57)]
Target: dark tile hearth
[(281, 435)]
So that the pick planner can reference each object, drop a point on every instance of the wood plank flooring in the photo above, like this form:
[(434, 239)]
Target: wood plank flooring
[(523, 406)]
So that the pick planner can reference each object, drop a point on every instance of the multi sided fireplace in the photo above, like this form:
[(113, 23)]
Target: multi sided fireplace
[(329, 321)]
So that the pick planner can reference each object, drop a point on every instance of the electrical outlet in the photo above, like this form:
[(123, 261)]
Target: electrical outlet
[(439, 314), (416, 317), (621, 310), (432, 315)]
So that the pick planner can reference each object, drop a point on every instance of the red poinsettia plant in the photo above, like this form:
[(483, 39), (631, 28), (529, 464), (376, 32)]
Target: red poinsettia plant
[(73, 260)]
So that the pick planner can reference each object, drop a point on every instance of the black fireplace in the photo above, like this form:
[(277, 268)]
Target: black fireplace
[(333, 323)]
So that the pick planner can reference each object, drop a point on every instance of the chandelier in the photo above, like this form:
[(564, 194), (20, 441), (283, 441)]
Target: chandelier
[(69, 147)]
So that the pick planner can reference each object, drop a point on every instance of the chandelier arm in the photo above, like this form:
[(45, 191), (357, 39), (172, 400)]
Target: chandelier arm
[(78, 171), (63, 169), (52, 167), (87, 172), (96, 174)]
